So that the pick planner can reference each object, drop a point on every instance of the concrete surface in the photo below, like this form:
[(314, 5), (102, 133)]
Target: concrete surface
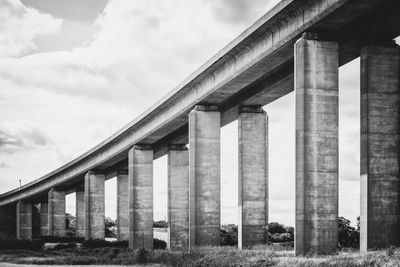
[(261, 52), (316, 87), (253, 177), (8, 222), (24, 220), (380, 147), (254, 69), (94, 206), (204, 176), (178, 198), (80, 213), (140, 197), (56, 213), (122, 207), (44, 218)]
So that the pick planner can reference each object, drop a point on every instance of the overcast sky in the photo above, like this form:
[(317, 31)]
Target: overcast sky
[(74, 72)]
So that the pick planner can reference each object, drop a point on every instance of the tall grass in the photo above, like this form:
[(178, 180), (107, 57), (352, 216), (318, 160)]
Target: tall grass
[(205, 256)]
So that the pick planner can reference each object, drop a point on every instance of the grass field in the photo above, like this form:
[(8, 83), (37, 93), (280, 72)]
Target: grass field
[(207, 256)]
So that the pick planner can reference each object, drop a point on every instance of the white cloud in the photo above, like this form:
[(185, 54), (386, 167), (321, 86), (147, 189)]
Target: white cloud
[(19, 26), (19, 135), (142, 48)]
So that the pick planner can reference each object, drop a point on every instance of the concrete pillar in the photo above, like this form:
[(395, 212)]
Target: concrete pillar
[(8, 222), (316, 88), (36, 221), (122, 207), (24, 220), (178, 197), (44, 219), (204, 176), (253, 177), (94, 206), (380, 147), (56, 213), (140, 179), (80, 213)]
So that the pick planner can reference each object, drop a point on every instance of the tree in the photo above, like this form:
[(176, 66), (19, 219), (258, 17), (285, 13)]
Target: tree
[(110, 227), (276, 228), (229, 235), (290, 230), (349, 237), (160, 224), (109, 222)]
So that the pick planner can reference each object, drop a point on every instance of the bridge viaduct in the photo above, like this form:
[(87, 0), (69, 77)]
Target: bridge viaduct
[(298, 45)]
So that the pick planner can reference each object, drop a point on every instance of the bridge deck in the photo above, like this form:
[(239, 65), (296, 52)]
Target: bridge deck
[(256, 68)]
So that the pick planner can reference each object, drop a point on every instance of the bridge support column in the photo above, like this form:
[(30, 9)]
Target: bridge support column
[(141, 197), (316, 87), (204, 176), (122, 207), (24, 220), (380, 147), (94, 206), (56, 213), (44, 219), (7, 222), (80, 213), (253, 177), (178, 197)]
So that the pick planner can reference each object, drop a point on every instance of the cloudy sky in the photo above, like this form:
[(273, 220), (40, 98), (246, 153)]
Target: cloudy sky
[(74, 72)]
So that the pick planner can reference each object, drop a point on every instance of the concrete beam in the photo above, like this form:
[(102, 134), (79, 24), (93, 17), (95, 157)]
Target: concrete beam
[(178, 197), (44, 218), (253, 177), (316, 87), (56, 213), (122, 206), (94, 206), (80, 213), (140, 197), (204, 176), (24, 220), (380, 147)]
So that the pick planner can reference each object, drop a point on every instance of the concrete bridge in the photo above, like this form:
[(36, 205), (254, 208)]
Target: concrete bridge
[(298, 45)]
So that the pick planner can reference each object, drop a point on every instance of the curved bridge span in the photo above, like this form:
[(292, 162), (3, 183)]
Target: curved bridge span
[(298, 45)]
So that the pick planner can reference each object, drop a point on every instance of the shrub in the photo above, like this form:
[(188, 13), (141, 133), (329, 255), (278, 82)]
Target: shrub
[(281, 238), (34, 245), (276, 228), (64, 246), (142, 256), (100, 243), (229, 235), (58, 239), (160, 224), (159, 244)]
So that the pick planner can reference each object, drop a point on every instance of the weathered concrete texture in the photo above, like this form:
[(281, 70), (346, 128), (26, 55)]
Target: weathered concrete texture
[(7, 222), (178, 198), (253, 177), (44, 219), (140, 197), (204, 176), (80, 213), (380, 147), (24, 220), (56, 212), (122, 207), (36, 221), (94, 206), (316, 87)]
